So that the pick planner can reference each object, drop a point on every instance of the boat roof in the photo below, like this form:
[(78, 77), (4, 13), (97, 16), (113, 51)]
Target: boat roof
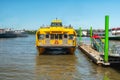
[(56, 21)]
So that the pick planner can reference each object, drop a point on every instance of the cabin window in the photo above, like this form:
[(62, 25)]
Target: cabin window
[(71, 36), (47, 35), (56, 36), (52, 36), (40, 36), (65, 35), (60, 36), (56, 24)]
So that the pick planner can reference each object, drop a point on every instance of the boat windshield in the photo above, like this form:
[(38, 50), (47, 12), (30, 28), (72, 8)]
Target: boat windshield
[(56, 36), (40, 36), (56, 24)]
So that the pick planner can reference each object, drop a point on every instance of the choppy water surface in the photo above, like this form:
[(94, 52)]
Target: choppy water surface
[(19, 61)]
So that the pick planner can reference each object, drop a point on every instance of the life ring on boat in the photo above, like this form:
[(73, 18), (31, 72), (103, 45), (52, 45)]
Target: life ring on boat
[(56, 42)]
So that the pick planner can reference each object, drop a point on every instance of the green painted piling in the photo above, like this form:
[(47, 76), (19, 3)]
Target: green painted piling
[(106, 48), (91, 34), (80, 33), (106, 77)]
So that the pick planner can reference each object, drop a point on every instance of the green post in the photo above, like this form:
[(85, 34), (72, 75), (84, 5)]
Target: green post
[(91, 34), (105, 77), (80, 33), (106, 46)]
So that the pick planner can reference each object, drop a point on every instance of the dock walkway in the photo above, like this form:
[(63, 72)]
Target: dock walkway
[(92, 54)]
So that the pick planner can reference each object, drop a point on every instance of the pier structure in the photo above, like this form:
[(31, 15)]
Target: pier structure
[(98, 51)]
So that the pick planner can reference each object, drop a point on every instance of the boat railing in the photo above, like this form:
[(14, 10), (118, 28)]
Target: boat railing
[(98, 45)]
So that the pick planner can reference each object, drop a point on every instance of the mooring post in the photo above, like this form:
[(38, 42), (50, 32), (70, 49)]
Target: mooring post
[(80, 33), (106, 45), (91, 34)]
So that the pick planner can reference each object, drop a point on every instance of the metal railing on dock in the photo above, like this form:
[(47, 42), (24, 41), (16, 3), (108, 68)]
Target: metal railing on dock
[(99, 51)]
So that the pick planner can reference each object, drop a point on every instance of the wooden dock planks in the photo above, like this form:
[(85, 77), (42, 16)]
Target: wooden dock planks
[(92, 54)]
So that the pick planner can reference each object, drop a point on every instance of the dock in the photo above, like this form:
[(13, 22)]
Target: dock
[(99, 50), (92, 54)]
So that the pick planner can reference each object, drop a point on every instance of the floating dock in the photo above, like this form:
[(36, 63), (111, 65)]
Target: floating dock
[(98, 51), (92, 54), (98, 57)]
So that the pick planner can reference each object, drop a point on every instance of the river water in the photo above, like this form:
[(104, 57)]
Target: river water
[(19, 60)]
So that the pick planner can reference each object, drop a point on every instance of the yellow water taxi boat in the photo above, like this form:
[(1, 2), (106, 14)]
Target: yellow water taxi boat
[(56, 36)]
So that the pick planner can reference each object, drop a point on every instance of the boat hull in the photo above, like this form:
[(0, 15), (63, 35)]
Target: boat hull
[(13, 35), (114, 38), (72, 50), (40, 50), (8, 35), (56, 50), (114, 34)]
